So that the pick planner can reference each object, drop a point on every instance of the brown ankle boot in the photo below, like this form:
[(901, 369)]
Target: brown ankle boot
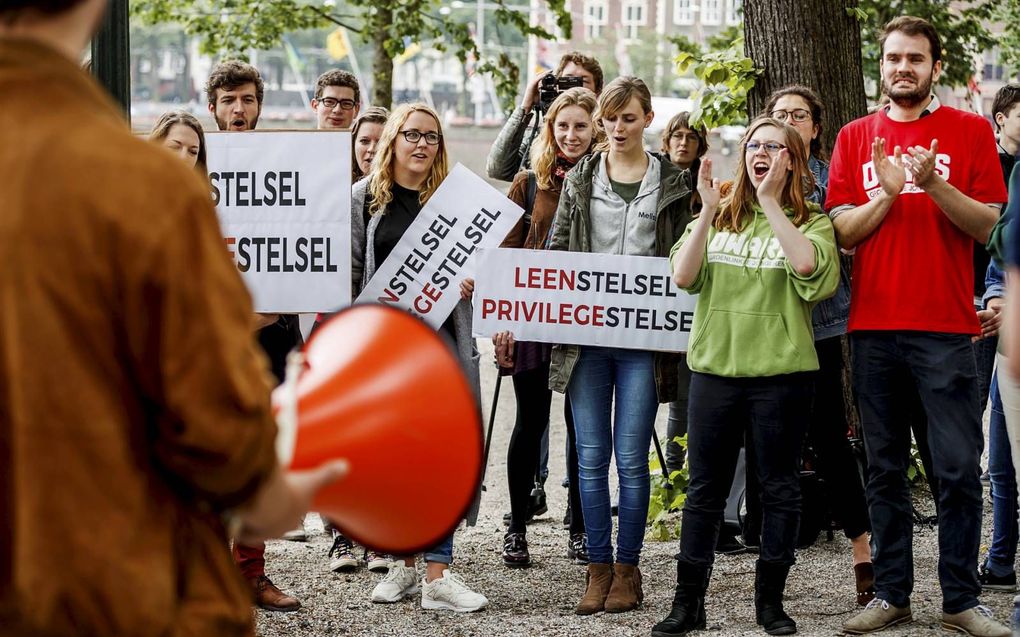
[(626, 593), (598, 580)]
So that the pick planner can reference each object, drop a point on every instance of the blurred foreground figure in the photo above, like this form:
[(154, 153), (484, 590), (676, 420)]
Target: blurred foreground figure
[(134, 402)]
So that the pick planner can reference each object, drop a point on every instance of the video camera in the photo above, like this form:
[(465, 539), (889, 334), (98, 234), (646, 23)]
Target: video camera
[(550, 87)]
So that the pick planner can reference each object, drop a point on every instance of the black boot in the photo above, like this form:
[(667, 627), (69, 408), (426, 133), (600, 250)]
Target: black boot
[(688, 612), (769, 584)]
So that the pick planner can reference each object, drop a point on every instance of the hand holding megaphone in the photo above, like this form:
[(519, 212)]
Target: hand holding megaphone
[(284, 499), (380, 389)]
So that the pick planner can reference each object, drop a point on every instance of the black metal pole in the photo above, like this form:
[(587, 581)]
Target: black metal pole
[(662, 460), (111, 54)]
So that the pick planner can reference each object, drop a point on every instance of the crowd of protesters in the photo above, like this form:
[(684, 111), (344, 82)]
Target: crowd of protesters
[(896, 250)]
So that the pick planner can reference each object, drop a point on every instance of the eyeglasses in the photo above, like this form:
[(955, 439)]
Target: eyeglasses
[(414, 136), (770, 147), (797, 114), (331, 102), (684, 137)]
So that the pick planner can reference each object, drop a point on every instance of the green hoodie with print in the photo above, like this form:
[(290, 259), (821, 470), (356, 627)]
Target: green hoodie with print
[(753, 316)]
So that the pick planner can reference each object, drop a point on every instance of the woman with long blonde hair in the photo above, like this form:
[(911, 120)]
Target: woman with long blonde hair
[(620, 199), (409, 165), (759, 260), (567, 135)]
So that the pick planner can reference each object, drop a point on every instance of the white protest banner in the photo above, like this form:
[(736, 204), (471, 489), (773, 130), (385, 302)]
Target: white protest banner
[(284, 202), (581, 298), (423, 272)]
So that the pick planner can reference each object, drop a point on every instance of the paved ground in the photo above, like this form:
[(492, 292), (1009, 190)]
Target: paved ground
[(539, 601)]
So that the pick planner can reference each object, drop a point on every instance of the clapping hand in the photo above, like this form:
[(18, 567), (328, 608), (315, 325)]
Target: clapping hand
[(890, 173), (708, 189), (921, 163)]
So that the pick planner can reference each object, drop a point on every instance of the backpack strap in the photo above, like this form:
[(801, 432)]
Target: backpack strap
[(529, 201)]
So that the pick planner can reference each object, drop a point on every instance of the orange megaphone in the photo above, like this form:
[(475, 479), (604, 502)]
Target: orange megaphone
[(381, 389)]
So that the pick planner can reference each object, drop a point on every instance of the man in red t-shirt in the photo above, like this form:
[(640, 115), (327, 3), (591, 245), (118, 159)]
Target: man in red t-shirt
[(911, 187)]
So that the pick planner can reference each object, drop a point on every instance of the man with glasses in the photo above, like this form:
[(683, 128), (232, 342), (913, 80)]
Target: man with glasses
[(235, 91), (911, 187), (337, 100)]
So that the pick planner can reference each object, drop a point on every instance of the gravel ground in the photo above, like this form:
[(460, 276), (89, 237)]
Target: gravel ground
[(539, 601)]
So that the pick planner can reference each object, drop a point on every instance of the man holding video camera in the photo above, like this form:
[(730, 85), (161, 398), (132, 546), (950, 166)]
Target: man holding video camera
[(510, 150)]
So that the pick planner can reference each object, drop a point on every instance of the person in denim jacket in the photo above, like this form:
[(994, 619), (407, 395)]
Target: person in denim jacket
[(801, 107)]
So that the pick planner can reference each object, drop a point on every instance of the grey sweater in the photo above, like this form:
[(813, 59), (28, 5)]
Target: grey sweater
[(618, 227), (363, 266)]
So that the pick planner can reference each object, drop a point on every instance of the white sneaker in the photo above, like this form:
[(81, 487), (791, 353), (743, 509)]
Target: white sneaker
[(400, 582), (449, 592)]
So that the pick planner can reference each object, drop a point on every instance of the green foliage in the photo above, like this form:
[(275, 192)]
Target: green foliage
[(684, 44), (728, 76), (726, 38), (857, 13), (1007, 13), (666, 498), (915, 472), (232, 27), (961, 28)]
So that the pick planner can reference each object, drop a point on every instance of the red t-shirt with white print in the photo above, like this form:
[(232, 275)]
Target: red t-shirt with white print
[(915, 271)]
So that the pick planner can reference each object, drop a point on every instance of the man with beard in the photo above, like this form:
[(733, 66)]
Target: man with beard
[(135, 418), (235, 91), (911, 187)]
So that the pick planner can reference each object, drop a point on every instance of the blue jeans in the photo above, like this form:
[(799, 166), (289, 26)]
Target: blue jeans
[(603, 428), (1002, 552), (442, 553), (941, 369)]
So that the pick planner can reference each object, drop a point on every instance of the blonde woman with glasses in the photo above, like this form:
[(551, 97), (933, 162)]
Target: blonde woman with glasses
[(410, 163)]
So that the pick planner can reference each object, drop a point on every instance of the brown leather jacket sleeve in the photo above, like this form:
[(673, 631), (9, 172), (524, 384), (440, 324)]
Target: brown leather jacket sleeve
[(189, 326), (515, 238)]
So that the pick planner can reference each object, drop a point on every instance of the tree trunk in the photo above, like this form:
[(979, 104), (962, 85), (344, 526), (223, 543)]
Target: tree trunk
[(818, 44), (811, 42), (382, 63)]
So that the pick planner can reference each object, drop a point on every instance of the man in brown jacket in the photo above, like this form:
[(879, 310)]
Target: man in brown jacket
[(134, 402), (235, 91)]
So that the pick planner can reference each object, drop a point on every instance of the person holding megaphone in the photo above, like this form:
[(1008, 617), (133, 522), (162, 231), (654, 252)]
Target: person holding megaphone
[(410, 164), (135, 418)]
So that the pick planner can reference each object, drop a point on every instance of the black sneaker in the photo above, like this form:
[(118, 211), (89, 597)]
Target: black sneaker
[(567, 517), (538, 505), (989, 582), (577, 548), (534, 509), (515, 551)]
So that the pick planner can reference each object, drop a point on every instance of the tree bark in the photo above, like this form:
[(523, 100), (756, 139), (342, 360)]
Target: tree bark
[(811, 42), (382, 63)]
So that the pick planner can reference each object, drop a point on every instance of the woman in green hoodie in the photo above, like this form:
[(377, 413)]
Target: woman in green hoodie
[(760, 259)]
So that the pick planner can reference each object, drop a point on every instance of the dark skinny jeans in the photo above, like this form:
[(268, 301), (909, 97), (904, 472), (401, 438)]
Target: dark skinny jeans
[(774, 410), (531, 389)]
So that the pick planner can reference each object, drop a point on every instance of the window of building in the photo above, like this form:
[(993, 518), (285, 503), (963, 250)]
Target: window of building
[(683, 12), (734, 10), (634, 12), (711, 12), (596, 16)]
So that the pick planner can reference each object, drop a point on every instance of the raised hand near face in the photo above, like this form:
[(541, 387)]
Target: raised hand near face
[(708, 188), (771, 187)]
